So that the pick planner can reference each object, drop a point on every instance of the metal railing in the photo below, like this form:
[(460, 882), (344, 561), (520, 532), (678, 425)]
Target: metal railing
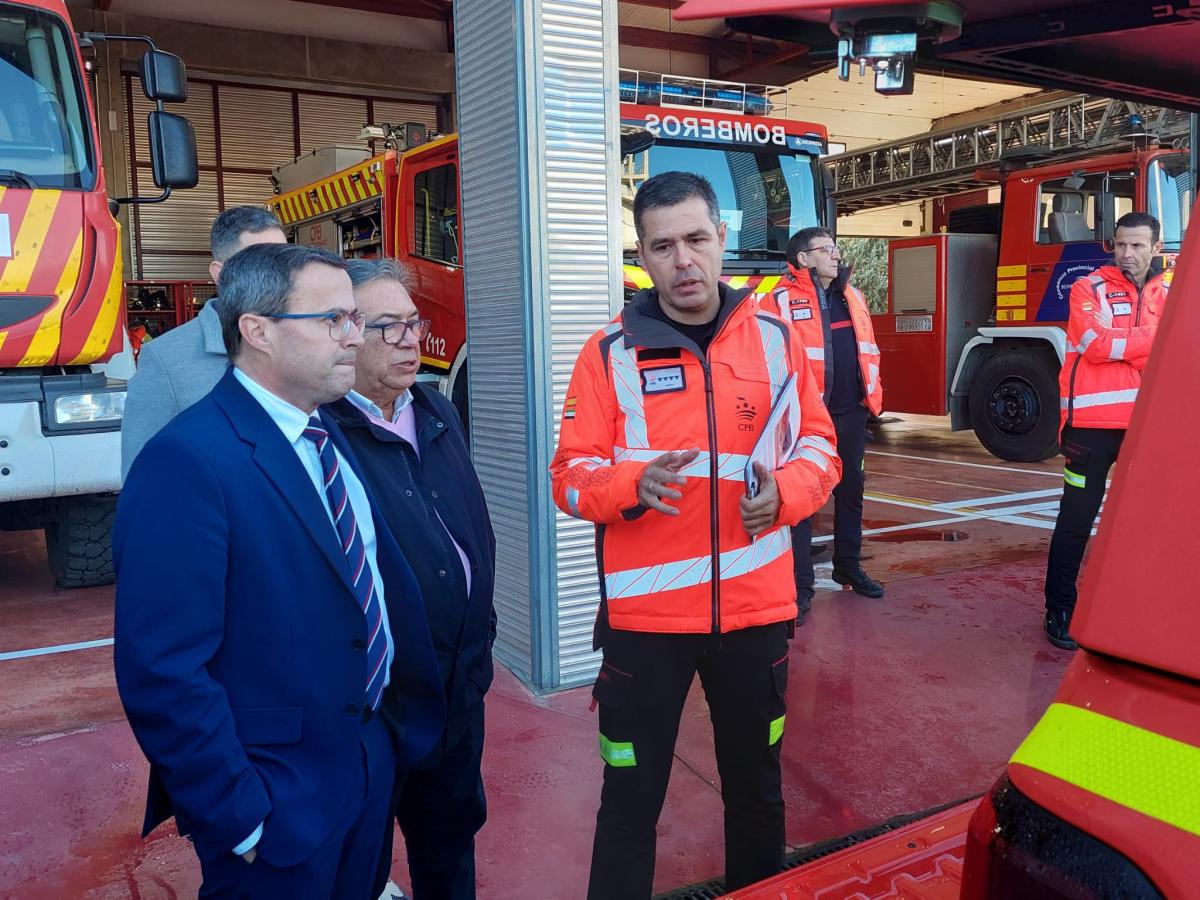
[(945, 161)]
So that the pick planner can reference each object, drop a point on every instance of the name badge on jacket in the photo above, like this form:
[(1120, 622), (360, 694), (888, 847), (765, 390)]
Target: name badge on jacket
[(1124, 308), (801, 314), (665, 380)]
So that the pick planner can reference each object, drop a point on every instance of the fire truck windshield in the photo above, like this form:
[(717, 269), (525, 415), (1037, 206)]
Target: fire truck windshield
[(1169, 196), (45, 140), (764, 196)]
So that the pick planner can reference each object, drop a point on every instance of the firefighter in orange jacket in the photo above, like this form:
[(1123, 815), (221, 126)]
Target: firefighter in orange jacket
[(664, 407), (1115, 313), (834, 324)]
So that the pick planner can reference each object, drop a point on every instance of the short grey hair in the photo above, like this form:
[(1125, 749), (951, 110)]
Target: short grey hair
[(259, 281), (364, 271), (229, 226)]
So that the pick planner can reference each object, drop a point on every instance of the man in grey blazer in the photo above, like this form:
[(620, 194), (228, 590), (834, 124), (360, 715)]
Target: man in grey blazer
[(177, 369)]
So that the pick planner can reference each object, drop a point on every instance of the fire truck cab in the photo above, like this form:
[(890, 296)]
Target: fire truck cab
[(64, 355), (975, 325)]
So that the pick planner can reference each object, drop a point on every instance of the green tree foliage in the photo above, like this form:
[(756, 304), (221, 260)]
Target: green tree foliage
[(869, 258)]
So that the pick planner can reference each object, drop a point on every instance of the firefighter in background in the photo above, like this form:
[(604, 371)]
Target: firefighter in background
[(834, 325), (695, 575), (1114, 316)]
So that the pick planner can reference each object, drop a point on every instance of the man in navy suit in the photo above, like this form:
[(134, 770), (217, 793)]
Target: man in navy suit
[(269, 630)]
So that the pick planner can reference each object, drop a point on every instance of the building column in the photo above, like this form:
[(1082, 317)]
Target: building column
[(537, 115)]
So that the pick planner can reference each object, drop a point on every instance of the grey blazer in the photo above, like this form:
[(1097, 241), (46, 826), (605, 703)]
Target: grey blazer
[(173, 372)]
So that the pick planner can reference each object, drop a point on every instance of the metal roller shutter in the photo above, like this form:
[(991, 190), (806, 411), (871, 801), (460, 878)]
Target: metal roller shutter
[(330, 121), (258, 131)]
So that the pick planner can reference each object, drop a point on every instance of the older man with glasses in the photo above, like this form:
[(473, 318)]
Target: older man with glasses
[(834, 323), (410, 444)]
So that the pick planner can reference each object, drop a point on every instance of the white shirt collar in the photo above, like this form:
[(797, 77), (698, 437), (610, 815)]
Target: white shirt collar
[(368, 406), (291, 419)]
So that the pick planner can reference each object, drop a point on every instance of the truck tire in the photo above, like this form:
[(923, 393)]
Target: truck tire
[(79, 541), (1014, 405)]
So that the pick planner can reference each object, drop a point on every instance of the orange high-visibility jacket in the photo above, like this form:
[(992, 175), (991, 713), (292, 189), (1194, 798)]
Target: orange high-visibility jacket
[(1103, 368), (798, 299), (641, 389)]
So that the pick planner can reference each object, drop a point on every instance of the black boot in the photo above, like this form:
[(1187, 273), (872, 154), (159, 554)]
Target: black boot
[(860, 581), (1058, 624)]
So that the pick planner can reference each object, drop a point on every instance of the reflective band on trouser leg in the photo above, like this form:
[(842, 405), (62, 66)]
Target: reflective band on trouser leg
[(776, 730), (1074, 479), (617, 754), (1147, 772)]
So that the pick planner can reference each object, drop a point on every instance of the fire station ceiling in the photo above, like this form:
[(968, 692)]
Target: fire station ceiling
[(1135, 49), (649, 35)]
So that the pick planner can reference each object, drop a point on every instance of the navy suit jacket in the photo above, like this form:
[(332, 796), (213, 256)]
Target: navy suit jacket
[(239, 644)]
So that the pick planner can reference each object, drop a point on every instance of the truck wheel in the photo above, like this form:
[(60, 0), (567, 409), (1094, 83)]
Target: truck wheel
[(1014, 405), (79, 541)]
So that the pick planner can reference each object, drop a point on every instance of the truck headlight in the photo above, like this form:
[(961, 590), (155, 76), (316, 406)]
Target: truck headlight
[(87, 409)]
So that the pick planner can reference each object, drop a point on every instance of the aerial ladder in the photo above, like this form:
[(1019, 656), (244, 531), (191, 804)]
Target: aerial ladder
[(956, 160)]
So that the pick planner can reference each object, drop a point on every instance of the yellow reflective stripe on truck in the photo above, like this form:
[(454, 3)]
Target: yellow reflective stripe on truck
[(1147, 772)]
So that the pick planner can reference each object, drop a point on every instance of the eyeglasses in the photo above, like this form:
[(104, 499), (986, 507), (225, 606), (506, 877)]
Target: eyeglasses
[(828, 249), (340, 323), (394, 332)]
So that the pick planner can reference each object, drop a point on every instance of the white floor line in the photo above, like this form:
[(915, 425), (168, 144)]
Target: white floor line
[(956, 462), (60, 648), (997, 498)]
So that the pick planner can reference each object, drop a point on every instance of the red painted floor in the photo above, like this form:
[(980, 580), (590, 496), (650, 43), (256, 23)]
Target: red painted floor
[(894, 705)]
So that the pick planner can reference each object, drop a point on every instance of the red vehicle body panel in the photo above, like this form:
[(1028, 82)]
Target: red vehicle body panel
[(65, 262)]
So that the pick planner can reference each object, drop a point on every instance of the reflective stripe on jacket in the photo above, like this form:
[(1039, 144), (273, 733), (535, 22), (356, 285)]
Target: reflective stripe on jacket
[(798, 300), (639, 390), (1102, 372)]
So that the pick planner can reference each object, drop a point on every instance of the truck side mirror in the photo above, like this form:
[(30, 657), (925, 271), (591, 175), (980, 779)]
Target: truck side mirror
[(830, 201), (172, 151), (163, 76)]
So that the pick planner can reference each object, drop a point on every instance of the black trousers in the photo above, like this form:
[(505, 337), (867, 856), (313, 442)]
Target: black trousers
[(342, 868), (641, 689), (1090, 453), (851, 428), (440, 809)]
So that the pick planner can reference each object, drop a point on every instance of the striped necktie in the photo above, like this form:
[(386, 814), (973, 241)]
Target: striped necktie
[(356, 556)]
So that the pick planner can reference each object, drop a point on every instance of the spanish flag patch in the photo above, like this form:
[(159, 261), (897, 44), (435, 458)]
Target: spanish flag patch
[(569, 408)]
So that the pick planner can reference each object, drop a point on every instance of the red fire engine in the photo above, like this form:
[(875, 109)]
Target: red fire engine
[(404, 202), (62, 305), (975, 324)]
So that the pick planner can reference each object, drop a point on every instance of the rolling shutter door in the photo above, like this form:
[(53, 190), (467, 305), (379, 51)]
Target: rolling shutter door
[(330, 121), (258, 131)]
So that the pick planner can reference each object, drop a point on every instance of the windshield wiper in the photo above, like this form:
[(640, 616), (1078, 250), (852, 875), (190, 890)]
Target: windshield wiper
[(757, 252), (12, 176)]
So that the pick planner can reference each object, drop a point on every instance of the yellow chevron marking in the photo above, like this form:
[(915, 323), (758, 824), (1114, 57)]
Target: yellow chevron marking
[(738, 281), (1010, 287), (433, 361), (101, 334), (1010, 300), (28, 241), (45, 340), (769, 283), (1011, 271)]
